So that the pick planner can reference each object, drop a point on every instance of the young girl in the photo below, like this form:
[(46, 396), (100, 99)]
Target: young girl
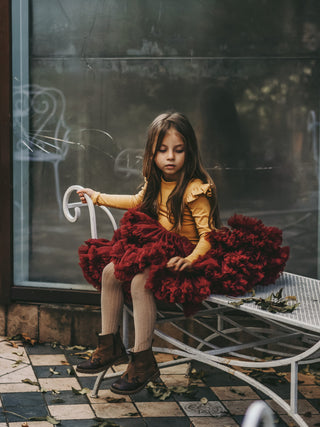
[(169, 247)]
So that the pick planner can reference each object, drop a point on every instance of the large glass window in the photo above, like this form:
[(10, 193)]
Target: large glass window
[(89, 76)]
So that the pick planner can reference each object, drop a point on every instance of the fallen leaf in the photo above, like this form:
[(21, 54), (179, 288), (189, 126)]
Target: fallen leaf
[(162, 392), (76, 347), (28, 381), (197, 375), (114, 399), (17, 363), (58, 400), (240, 393), (28, 340), (105, 423), (18, 354), (274, 303), (49, 419), (84, 390), (13, 344), (53, 372)]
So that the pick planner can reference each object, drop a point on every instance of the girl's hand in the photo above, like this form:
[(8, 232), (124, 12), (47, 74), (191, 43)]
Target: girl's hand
[(179, 264), (88, 191)]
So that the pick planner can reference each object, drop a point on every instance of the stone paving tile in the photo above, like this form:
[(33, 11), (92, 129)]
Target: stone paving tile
[(48, 359), (237, 407), (75, 412), (310, 391), (159, 409), (59, 383), (107, 394), (168, 421), (8, 366), (65, 397), (30, 424), (208, 409), (13, 353), (17, 387), (304, 406), (18, 374), (216, 422), (225, 398), (235, 393), (115, 410)]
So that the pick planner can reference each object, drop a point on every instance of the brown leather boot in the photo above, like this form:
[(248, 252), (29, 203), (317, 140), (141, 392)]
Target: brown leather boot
[(141, 369), (110, 351)]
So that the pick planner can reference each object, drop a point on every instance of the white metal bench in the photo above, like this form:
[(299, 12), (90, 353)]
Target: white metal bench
[(249, 334)]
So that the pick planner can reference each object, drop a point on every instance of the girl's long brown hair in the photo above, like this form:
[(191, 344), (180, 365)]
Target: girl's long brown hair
[(192, 169)]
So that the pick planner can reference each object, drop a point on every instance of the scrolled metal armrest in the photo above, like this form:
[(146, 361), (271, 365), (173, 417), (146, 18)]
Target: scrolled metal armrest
[(77, 209)]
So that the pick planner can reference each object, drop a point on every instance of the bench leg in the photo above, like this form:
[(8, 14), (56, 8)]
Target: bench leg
[(294, 387)]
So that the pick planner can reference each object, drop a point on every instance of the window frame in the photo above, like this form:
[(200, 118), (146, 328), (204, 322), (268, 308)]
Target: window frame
[(5, 153)]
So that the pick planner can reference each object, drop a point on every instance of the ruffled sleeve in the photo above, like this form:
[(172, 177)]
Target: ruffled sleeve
[(197, 200), (197, 188)]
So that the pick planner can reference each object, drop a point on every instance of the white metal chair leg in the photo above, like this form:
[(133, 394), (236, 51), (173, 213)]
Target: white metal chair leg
[(294, 387), (258, 414)]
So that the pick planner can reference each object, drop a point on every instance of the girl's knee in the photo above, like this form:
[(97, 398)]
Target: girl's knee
[(138, 283), (108, 272)]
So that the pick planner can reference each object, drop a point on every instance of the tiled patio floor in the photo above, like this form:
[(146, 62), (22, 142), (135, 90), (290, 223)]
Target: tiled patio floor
[(39, 381)]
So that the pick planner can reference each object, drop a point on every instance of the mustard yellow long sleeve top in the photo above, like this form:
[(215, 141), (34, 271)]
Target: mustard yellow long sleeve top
[(195, 223)]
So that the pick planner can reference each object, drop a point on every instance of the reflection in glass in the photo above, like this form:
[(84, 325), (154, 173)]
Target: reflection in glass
[(249, 84)]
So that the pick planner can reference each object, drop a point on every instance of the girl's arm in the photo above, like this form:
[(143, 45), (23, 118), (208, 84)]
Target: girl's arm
[(119, 201), (200, 210)]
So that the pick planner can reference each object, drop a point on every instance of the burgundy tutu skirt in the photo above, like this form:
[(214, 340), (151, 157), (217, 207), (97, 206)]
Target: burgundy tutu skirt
[(242, 256)]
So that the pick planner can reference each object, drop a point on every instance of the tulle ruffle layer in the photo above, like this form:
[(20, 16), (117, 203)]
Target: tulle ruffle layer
[(242, 256)]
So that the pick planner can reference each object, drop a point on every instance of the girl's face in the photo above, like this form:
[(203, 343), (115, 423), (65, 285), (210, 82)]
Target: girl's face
[(170, 156)]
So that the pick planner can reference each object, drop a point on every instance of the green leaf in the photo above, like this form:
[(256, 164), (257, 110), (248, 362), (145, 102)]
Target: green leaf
[(237, 303), (53, 421), (76, 347), (165, 395), (84, 390), (17, 354), (278, 295), (274, 303)]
